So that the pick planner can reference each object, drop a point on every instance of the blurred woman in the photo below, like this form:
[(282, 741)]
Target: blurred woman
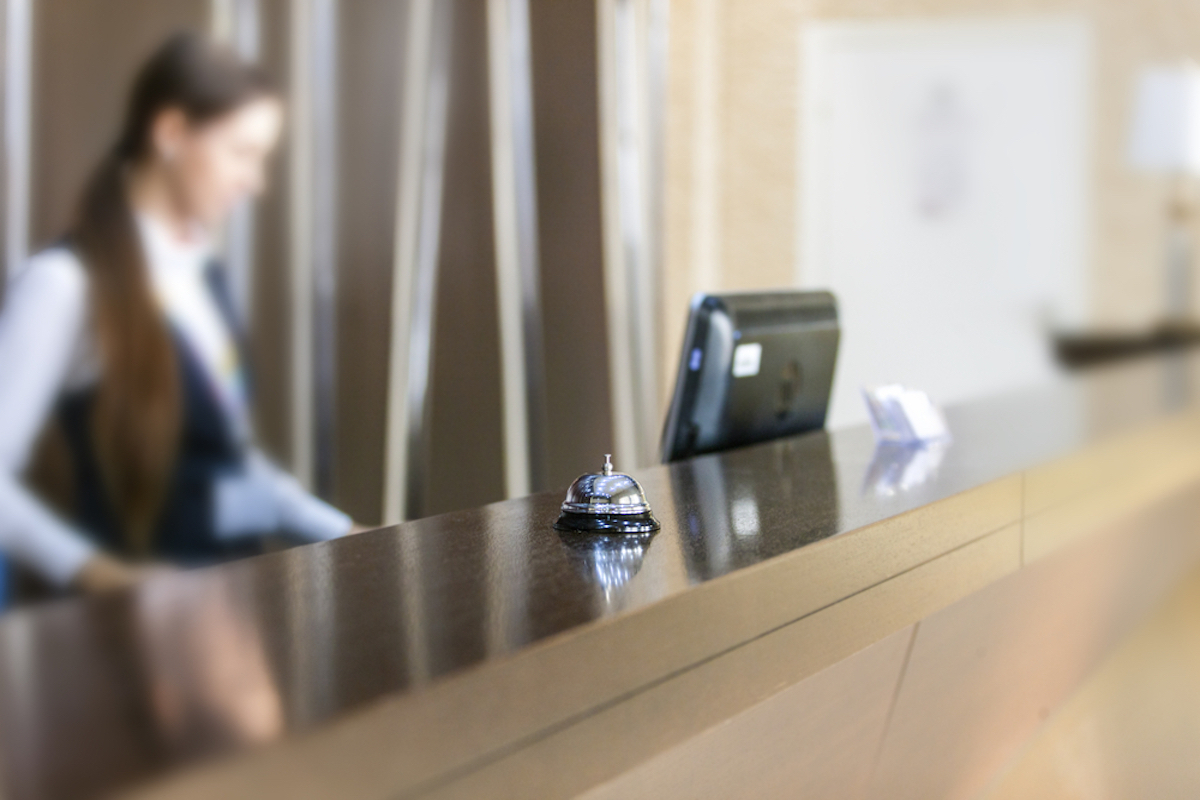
[(124, 426)]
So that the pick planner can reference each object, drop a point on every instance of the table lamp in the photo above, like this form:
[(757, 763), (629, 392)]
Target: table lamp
[(1166, 140)]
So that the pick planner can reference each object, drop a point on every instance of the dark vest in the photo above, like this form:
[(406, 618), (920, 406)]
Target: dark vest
[(185, 531)]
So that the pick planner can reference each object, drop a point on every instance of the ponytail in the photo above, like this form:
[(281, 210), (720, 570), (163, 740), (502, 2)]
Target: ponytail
[(135, 427)]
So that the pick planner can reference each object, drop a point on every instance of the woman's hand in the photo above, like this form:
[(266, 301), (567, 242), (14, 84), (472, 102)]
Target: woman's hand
[(103, 573)]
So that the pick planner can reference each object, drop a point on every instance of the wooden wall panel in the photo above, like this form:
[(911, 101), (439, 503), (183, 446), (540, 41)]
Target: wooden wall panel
[(371, 50), (566, 107), (85, 54), (1133, 729), (985, 672), (270, 313), (465, 466), (810, 740)]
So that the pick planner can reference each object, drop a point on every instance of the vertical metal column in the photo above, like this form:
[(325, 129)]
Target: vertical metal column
[(238, 24), (632, 55), (313, 238), (514, 193), (418, 231), (18, 76)]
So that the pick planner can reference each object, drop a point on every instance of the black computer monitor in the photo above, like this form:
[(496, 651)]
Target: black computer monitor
[(755, 366)]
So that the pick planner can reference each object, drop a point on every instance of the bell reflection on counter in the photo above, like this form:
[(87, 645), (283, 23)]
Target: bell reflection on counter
[(609, 559), (900, 467), (606, 502)]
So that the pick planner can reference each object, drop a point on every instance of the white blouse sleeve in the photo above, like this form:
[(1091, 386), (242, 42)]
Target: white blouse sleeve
[(41, 324), (262, 497)]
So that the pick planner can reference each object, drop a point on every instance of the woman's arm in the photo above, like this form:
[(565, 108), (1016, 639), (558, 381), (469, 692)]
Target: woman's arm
[(262, 497), (305, 514), (43, 318)]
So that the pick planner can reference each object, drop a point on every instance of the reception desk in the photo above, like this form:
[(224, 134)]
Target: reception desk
[(818, 617)]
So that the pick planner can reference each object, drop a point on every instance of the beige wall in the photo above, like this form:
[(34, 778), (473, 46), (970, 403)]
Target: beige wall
[(732, 146)]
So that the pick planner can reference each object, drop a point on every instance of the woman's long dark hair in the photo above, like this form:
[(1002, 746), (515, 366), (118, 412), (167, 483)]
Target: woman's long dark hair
[(137, 414)]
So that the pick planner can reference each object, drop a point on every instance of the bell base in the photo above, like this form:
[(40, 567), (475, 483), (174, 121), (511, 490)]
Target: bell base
[(607, 523)]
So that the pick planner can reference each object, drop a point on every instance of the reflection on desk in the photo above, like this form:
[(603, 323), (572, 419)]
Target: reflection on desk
[(902, 467)]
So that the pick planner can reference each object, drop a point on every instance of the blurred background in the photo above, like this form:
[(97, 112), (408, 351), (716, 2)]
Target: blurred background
[(471, 274)]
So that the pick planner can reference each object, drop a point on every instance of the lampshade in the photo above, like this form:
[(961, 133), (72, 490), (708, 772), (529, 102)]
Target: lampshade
[(1166, 119)]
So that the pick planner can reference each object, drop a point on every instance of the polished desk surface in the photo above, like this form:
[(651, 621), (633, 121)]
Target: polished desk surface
[(102, 693)]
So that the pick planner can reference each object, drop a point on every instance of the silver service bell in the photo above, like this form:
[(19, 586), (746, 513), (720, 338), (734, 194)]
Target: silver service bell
[(606, 502)]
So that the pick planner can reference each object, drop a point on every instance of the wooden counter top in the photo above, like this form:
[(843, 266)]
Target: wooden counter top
[(465, 654)]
